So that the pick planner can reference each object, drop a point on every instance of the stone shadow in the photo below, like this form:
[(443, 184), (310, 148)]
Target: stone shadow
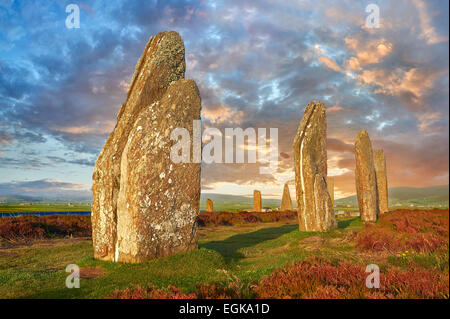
[(342, 224), (229, 248)]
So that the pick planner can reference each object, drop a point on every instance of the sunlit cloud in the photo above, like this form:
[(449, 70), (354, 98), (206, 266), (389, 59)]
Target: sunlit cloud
[(426, 20), (257, 64), (330, 63)]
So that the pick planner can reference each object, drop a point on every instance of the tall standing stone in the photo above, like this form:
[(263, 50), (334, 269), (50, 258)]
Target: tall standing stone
[(286, 202), (257, 203), (144, 205), (209, 206), (381, 177), (315, 210), (366, 185), (330, 188)]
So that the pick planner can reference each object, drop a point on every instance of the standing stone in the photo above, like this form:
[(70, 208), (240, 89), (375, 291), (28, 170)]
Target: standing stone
[(381, 177), (315, 210), (286, 202), (366, 185), (209, 206), (257, 204), (144, 205), (330, 188)]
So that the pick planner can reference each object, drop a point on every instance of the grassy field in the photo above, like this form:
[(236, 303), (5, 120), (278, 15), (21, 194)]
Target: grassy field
[(14, 208), (8, 208), (248, 251)]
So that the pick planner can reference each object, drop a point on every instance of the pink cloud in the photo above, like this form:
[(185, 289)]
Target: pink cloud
[(330, 63), (416, 82), (425, 18), (84, 129), (367, 52), (334, 108), (222, 113)]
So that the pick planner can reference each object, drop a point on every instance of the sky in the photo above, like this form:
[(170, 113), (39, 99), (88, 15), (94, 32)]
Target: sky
[(256, 63)]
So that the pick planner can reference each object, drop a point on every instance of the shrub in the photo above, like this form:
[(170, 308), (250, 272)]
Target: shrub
[(313, 279), (151, 292), (316, 279), (33, 227), (229, 218), (418, 230)]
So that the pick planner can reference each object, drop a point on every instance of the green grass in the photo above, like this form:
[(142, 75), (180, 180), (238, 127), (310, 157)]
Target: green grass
[(248, 251), (13, 208)]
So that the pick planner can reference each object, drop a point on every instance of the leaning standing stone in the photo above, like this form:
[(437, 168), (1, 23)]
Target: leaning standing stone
[(158, 201), (366, 185), (381, 176), (286, 202), (315, 211), (257, 205), (145, 206)]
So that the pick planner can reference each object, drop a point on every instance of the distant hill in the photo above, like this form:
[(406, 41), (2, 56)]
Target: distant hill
[(435, 196), (18, 199), (235, 202), (432, 193)]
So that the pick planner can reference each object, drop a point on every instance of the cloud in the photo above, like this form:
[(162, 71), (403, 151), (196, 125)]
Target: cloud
[(21, 136), (106, 128), (411, 86), (407, 164), (353, 64), (222, 113), (330, 63), (78, 161), (255, 65), (426, 121), (367, 51), (5, 138), (336, 145), (426, 20), (334, 108)]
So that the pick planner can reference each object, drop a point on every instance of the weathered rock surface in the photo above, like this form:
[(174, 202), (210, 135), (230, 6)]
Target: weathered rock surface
[(144, 205), (315, 210), (381, 177), (209, 205), (257, 203), (330, 188), (366, 185), (286, 202)]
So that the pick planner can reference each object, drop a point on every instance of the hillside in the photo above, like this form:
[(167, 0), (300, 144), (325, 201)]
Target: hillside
[(238, 257), (19, 199), (436, 196)]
